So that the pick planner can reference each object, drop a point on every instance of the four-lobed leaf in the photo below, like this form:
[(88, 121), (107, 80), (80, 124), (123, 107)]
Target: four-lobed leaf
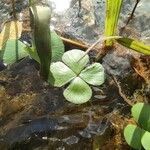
[(73, 68)]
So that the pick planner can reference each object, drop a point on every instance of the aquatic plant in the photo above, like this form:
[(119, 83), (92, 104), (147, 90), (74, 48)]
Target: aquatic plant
[(138, 136), (71, 68), (112, 15), (75, 70)]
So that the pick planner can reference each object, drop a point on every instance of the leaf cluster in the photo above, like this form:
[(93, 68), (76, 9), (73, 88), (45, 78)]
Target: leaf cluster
[(138, 136), (112, 16)]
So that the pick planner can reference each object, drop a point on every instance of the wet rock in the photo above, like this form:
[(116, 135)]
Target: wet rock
[(117, 65), (26, 130), (71, 140)]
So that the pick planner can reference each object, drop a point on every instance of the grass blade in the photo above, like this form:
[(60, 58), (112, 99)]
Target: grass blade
[(135, 45), (113, 8)]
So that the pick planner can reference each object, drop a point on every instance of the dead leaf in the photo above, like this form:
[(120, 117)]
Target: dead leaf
[(11, 30)]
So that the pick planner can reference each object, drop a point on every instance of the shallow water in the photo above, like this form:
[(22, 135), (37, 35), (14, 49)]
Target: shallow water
[(36, 116)]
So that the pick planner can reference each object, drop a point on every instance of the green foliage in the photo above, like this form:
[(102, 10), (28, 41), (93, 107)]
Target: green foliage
[(135, 45), (12, 51), (57, 47), (112, 15), (75, 70), (78, 91), (40, 22), (138, 137), (113, 8)]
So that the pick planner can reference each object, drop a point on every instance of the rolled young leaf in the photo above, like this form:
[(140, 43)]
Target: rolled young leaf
[(40, 22), (133, 136), (134, 45), (113, 8)]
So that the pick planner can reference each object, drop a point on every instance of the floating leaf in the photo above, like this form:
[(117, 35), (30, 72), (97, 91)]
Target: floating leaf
[(93, 74), (134, 45), (133, 135), (57, 47), (61, 74), (13, 51), (112, 14), (141, 113), (73, 61), (78, 91), (146, 140), (11, 30)]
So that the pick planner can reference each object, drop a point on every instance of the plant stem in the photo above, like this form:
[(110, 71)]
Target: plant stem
[(100, 40), (13, 8), (130, 17)]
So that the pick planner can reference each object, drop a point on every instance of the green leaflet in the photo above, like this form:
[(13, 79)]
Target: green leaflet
[(61, 73), (78, 91), (73, 61), (113, 8), (74, 70), (93, 74), (133, 135), (135, 45), (141, 113), (13, 51)]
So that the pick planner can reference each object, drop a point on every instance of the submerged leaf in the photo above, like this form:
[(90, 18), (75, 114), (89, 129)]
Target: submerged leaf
[(60, 74), (93, 74), (73, 60), (134, 45), (78, 91), (113, 8), (146, 140), (13, 51), (133, 135), (141, 113)]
